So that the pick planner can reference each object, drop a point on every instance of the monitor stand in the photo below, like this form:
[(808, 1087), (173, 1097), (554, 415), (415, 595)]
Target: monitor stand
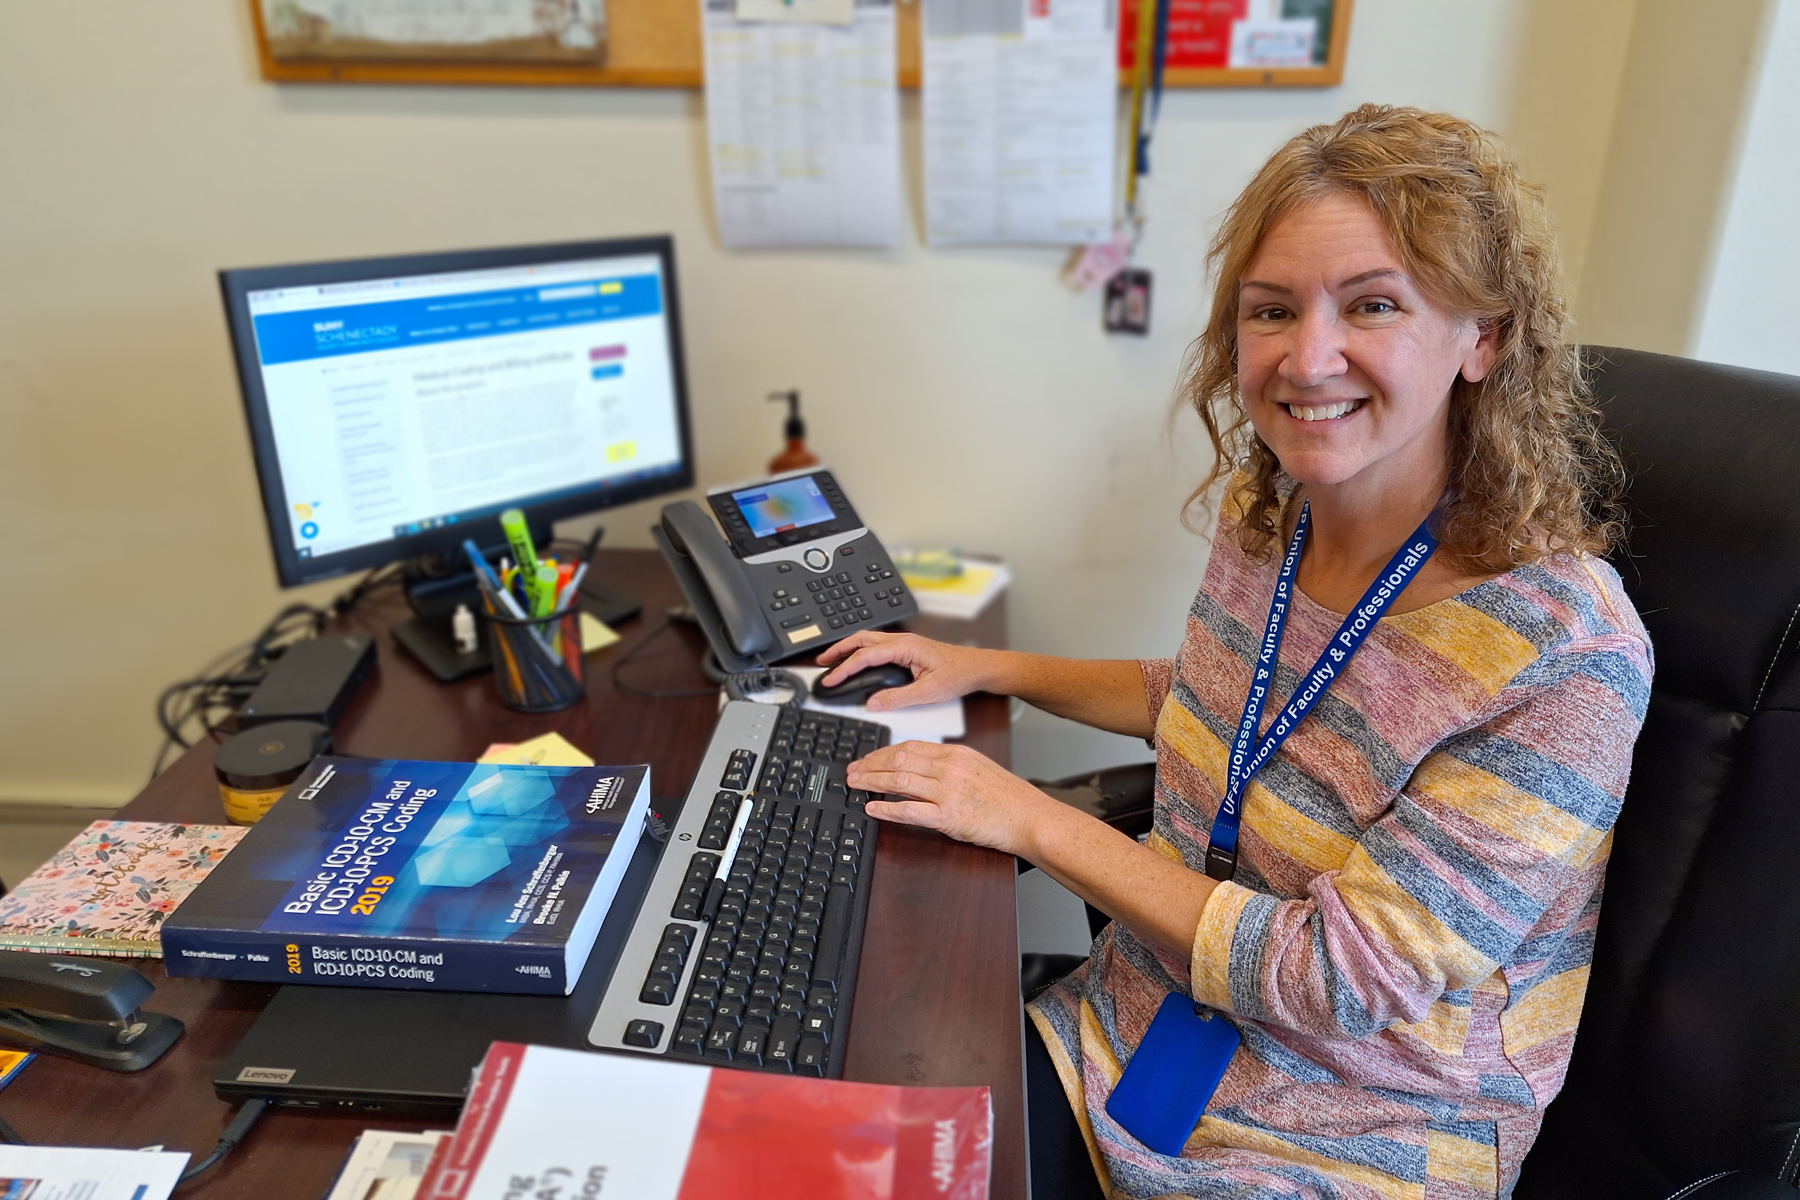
[(430, 640), (428, 637), (612, 607)]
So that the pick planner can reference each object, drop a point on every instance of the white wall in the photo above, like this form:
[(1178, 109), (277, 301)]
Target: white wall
[(1566, 88), (1683, 102), (1750, 311), (964, 396)]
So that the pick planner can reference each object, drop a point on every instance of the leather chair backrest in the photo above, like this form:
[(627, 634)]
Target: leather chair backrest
[(1687, 1061)]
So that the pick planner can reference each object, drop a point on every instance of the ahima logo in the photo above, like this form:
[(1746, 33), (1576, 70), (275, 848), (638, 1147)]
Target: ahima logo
[(943, 1154), (605, 794), (326, 326)]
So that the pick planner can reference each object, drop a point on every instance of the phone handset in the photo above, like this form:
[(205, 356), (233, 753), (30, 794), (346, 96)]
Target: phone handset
[(691, 533)]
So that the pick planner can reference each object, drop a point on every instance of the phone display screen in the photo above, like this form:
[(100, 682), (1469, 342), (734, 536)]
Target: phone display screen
[(775, 508)]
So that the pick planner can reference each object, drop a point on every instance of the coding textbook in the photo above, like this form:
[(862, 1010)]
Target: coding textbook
[(545, 1122), (447, 876)]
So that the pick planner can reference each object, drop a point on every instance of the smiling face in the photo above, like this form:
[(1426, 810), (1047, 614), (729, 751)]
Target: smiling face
[(1344, 364)]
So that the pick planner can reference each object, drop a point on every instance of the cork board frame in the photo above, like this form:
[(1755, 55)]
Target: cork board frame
[(656, 43)]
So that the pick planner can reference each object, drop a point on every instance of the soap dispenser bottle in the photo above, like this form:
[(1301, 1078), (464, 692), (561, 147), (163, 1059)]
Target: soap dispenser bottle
[(796, 455)]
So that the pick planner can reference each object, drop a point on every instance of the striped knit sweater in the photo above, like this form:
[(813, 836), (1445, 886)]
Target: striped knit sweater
[(1406, 943)]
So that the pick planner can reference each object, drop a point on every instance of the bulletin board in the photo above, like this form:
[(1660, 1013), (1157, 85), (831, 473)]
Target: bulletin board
[(656, 43)]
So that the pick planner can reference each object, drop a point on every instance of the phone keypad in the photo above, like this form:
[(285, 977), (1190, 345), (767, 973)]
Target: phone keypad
[(855, 594), (841, 602)]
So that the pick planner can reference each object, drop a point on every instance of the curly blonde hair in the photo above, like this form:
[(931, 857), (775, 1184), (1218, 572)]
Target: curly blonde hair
[(1530, 473)]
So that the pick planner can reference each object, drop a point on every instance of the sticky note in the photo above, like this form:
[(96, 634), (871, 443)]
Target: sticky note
[(595, 634), (550, 750), (11, 1063)]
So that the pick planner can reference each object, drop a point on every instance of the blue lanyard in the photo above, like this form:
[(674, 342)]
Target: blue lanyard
[(1221, 848)]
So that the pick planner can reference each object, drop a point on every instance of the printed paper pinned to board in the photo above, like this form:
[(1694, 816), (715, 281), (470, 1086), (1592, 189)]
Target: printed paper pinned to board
[(1210, 35), (571, 31), (1273, 42), (1020, 118), (803, 122), (813, 12)]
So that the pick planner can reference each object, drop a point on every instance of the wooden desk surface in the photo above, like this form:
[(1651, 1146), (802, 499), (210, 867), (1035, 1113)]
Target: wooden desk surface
[(937, 997)]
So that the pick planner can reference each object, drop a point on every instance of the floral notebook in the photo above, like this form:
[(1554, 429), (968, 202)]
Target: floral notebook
[(109, 890)]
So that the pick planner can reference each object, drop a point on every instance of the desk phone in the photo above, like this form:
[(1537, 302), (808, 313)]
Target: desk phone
[(795, 570)]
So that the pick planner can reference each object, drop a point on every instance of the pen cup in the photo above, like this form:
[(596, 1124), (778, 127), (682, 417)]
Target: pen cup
[(538, 666)]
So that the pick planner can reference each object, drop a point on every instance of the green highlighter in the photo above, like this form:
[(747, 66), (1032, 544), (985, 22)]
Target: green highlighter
[(518, 537), (543, 598)]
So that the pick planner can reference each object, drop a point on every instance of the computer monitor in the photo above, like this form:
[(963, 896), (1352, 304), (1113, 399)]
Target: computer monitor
[(398, 405)]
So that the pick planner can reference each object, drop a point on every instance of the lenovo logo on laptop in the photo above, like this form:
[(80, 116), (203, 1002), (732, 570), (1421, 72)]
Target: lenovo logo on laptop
[(266, 1075)]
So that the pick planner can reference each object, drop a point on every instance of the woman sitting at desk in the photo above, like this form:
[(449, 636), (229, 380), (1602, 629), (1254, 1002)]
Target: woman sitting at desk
[(1400, 933)]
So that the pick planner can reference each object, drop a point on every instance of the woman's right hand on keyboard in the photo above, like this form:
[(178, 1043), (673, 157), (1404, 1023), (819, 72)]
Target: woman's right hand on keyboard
[(940, 671)]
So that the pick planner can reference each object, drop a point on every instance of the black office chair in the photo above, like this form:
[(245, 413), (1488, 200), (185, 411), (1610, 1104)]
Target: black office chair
[(1125, 798), (1686, 1073), (1687, 1062)]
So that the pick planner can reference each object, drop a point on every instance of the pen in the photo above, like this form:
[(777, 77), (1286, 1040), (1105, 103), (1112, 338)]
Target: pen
[(715, 891), (593, 543), (486, 573), (587, 557), (506, 654), (572, 590), (498, 597)]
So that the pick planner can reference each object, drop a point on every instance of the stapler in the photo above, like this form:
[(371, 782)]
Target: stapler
[(84, 1008)]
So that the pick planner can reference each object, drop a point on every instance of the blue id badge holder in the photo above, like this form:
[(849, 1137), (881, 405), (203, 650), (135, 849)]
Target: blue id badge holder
[(1172, 1074)]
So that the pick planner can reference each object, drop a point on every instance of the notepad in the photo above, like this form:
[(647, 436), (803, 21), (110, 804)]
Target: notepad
[(11, 1063), (550, 750), (110, 889), (963, 596)]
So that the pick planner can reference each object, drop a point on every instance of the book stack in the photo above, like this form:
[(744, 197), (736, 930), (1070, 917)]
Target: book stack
[(434, 875), (952, 585)]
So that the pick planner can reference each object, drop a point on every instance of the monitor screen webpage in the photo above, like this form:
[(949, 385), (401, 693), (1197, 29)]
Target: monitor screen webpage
[(409, 405)]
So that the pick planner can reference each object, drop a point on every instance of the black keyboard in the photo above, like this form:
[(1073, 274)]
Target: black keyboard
[(745, 947)]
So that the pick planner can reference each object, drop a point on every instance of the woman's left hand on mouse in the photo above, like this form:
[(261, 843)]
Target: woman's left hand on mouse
[(940, 672)]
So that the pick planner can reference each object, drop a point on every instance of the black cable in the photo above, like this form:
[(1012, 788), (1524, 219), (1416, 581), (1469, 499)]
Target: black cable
[(235, 1132), (226, 681), (240, 1127), (201, 696), (239, 670), (738, 685), (741, 685), (629, 690), (375, 580)]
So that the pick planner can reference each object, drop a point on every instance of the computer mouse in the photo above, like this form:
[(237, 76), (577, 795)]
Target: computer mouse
[(865, 683)]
